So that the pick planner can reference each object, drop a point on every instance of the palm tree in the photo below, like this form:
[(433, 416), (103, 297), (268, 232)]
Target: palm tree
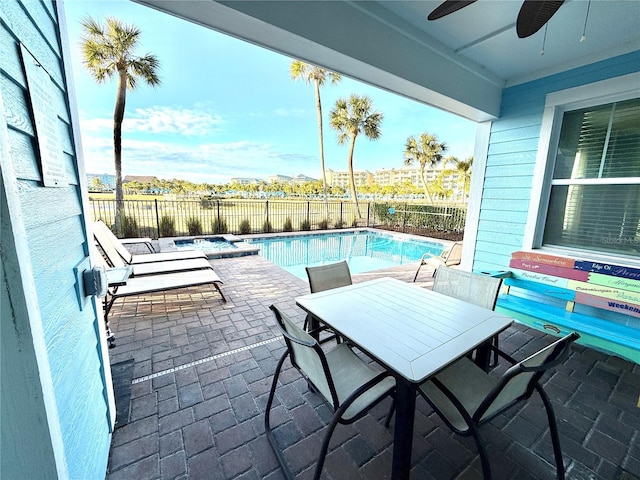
[(427, 152), (351, 117), (318, 76), (463, 168), (108, 51)]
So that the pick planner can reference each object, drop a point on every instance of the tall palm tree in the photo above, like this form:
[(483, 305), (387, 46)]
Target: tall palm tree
[(349, 118), (318, 76), (426, 151), (463, 169), (108, 51)]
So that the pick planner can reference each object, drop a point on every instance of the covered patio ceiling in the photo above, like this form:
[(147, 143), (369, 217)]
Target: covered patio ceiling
[(459, 63)]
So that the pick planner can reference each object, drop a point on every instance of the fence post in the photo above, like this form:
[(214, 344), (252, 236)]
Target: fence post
[(368, 213), (155, 200), (308, 212), (404, 219), (218, 210), (267, 228), (341, 220)]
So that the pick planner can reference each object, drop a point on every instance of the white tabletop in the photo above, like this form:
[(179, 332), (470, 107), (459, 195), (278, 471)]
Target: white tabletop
[(411, 330)]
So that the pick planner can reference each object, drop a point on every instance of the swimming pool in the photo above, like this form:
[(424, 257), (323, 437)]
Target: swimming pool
[(364, 251)]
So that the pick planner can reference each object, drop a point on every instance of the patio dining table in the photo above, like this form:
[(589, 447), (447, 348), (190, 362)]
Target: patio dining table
[(411, 331)]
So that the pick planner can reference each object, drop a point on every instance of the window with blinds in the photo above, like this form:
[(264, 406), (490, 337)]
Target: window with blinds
[(595, 191)]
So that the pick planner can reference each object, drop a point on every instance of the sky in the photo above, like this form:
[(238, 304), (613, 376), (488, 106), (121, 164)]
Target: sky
[(226, 108)]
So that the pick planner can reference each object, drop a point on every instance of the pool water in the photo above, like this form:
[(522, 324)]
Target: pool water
[(205, 244), (364, 251)]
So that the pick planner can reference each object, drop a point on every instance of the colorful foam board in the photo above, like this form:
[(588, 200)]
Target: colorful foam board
[(561, 272)]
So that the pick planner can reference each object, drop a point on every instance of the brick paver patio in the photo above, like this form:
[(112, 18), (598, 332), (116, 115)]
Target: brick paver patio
[(203, 369)]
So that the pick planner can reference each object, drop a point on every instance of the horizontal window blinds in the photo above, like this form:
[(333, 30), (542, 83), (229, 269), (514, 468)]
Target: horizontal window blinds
[(601, 142)]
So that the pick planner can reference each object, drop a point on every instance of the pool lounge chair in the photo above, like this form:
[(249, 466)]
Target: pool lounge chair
[(170, 266), (105, 238), (449, 257), (146, 241)]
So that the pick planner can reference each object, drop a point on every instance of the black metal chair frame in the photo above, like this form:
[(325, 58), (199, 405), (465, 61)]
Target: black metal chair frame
[(338, 408), (560, 352)]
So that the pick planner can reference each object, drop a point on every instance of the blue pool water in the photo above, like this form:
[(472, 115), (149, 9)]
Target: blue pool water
[(364, 251), (205, 244)]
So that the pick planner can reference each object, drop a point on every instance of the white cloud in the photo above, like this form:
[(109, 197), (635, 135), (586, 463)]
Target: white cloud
[(160, 120), (207, 162)]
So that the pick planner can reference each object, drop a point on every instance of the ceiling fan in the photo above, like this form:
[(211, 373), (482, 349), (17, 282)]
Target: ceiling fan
[(534, 14)]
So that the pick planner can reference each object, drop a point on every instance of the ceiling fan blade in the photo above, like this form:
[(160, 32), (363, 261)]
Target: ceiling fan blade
[(534, 14), (447, 7)]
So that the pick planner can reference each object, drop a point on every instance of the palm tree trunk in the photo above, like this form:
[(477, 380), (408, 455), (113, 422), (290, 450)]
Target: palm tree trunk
[(352, 181), (118, 116), (424, 183), (321, 141)]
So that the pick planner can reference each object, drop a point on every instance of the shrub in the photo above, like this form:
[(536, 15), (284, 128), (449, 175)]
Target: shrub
[(305, 225), (287, 227), (194, 226), (208, 202), (339, 224), (129, 226), (219, 225), (266, 227), (245, 226), (323, 224), (355, 222), (167, 226)]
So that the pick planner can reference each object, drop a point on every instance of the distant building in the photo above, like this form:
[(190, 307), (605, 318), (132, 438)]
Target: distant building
[(108, 181), (246, 181), (341, 178), (138, 178), (277, 178), (300, 178)]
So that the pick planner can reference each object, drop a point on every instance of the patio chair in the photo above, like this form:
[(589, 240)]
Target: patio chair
[(105, 238), (169, 266), (146, 241), (474, 288), (466, 397), (348, 385), (449, 257), (326, 277)]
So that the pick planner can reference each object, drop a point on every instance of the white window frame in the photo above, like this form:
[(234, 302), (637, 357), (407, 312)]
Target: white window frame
[(616, 89)]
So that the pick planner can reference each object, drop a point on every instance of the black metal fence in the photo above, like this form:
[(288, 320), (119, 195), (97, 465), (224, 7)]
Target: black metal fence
[(169, 218)]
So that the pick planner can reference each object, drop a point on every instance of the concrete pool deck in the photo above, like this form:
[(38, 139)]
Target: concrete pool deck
[(201, 415)]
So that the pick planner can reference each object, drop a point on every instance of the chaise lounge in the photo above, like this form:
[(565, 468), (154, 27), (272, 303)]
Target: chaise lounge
[(168, 266), (105, 237)]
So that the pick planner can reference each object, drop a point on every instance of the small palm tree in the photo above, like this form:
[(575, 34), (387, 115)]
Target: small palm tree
[(318, 76), (108, 51), (349, 118), (426, 151)]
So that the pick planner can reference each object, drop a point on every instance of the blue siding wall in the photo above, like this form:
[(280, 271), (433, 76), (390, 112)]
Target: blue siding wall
[(512, 153), (54, 224)]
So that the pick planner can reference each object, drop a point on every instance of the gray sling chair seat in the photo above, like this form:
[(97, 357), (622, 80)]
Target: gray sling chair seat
[(348, 385), (448, 258), (474, 288), (466, 397), (321, 278), (106, 239)]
